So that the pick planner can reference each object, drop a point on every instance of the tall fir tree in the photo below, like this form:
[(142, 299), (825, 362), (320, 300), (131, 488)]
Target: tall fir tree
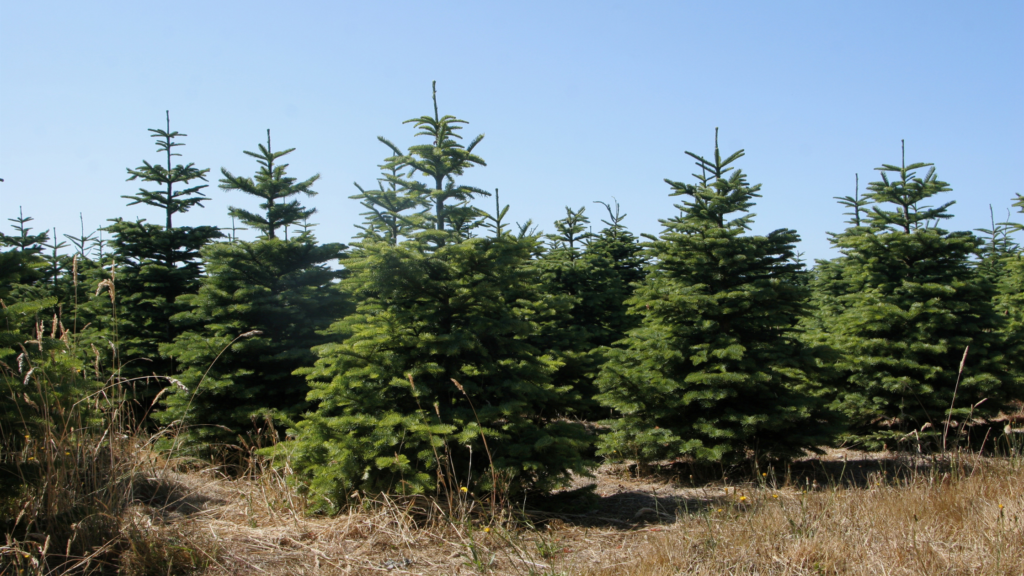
[(715, 368), (906, 301), (256, 316), (155, 265), (434, 377)]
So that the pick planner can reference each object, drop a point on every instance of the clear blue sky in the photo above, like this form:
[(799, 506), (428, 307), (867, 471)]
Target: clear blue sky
[(579, 101)]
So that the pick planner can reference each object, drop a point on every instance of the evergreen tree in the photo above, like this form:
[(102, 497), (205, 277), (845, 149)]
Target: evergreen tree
[(270, 184), (435, 376), (155, 265), (389, 416), (715, 367), (1010, 300), (597, 272), (998, 248), (906, 303), (258, 312), (619, 249), (388, 218), (21, 263), (170, 200)]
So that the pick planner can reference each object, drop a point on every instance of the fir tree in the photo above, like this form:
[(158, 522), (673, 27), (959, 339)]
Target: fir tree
[(1009, 301), (257, 314), (715, 368), (998, 248), (170, 200), (21, 263), (389, 416), (435, 375), (906, 303), (597, 272), (270, 184), (155, 265), (388, 218), (252, 323)]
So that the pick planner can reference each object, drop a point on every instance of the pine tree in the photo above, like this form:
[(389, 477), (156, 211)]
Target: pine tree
[(388, 218), (619, 249), (270, 184), (1009, 301), (22, 263), (254, 320), (155, 266), (906, 303), (715, 367), (389, 416)]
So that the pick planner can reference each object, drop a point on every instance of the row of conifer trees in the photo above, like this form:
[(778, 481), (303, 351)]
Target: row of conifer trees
[(446, 347)]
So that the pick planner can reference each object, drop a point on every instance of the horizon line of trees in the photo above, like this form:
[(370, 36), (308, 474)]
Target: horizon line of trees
[(448, 331)]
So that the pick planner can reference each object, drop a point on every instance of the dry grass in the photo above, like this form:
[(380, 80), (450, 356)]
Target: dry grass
[(841, 514)]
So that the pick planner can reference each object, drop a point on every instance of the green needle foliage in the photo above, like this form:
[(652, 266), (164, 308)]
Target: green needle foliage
[(439, 162), (715, 368), (598, 273), (437, 306), (270, 184), (254, 320), (279, 294), (170, 200), (463, 311), (903, 303), (21, 262), (155, 265)]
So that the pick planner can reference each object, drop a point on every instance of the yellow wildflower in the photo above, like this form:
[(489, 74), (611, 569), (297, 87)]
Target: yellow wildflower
[(464, 489)]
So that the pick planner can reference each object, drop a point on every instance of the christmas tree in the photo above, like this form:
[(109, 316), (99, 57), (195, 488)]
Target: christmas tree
[(906, 303), (715, 368)]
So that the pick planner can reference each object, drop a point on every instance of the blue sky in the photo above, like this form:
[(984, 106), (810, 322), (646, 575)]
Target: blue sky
[(579, 101)]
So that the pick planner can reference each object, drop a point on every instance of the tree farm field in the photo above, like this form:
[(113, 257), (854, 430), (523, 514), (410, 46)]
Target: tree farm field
[(455, 393)]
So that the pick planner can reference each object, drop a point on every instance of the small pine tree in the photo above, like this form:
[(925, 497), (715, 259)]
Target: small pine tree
[(715, 368), (388, 218), (389, 417), (1009, 302), (437, 306), (21, 263), (595, 271), (905, 303)]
